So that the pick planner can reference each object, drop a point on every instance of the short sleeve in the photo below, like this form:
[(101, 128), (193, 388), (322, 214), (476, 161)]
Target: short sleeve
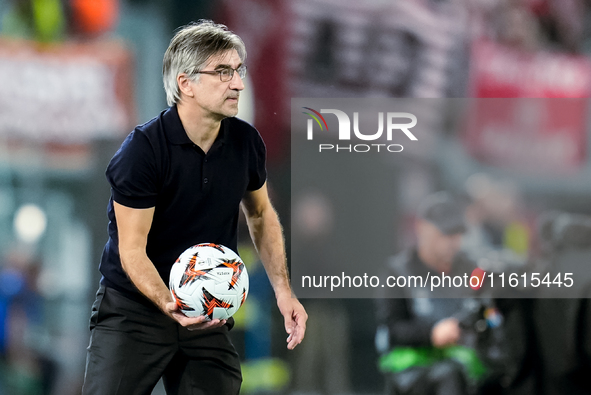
[(258, 163), (132, 173)]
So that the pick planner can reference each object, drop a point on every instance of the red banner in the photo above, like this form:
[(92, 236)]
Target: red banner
[(532, 134), (501, 71), (536, 136)]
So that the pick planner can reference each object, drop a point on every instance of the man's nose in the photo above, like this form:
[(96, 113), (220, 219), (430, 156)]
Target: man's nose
[(236, 82)]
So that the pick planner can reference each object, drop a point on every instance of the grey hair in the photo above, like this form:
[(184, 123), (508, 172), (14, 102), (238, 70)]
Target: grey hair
[(190, 49)]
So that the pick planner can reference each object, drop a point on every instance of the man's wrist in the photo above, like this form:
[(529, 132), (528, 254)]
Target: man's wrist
[(283, 293)]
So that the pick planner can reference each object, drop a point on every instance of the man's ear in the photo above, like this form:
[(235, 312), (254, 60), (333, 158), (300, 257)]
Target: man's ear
[(184, 84)]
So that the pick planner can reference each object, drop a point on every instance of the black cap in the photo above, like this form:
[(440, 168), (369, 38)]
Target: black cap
[(444, 211)]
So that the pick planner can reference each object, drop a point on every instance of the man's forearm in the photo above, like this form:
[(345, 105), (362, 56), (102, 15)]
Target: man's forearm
[(267, 235), (143, 274)]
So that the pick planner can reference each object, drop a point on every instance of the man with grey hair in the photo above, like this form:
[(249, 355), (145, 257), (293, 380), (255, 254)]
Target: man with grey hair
[(176, 181)]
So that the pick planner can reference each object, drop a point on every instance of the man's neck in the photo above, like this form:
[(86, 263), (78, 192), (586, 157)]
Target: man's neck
[(202, 130)]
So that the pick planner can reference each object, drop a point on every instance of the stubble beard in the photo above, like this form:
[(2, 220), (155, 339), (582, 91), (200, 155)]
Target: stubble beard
[(233, 111)]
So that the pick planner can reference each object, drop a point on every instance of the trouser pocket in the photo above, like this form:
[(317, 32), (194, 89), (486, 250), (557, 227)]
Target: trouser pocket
[(96, 306)]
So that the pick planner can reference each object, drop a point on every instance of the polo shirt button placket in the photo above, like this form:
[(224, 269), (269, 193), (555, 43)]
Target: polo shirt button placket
[(205, 172)]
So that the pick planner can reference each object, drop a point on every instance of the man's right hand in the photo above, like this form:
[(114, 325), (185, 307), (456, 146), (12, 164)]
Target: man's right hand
[(191, 323), (446, 332)]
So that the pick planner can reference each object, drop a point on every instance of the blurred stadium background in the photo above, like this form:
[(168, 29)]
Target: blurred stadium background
[(77, 75)]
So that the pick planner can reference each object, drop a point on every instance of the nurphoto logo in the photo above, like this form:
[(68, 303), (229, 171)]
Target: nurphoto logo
[(393, 123)]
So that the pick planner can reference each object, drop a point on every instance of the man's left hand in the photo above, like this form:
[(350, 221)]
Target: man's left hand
[(295, 317)]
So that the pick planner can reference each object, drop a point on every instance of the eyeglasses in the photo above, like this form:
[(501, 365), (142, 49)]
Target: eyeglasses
[(227, 73)]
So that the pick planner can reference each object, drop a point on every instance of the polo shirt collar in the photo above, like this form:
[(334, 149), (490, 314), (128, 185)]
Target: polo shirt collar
[(175, 132)]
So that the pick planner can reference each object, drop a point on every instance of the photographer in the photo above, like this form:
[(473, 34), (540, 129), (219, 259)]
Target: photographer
[(420, 333)]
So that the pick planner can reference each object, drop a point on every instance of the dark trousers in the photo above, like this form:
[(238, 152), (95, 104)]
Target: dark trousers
[(133, 345)]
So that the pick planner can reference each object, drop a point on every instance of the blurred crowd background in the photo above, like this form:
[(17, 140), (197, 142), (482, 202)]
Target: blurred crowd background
[(77, 75)]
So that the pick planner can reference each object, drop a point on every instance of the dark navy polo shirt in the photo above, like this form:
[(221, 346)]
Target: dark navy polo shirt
[(196, 195)]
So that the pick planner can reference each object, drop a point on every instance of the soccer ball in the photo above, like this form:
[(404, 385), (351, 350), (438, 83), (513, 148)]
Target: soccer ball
[(209, 279)]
